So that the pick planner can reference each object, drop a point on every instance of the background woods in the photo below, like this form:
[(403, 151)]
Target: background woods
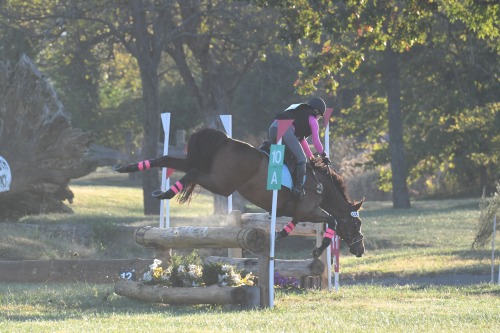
[(414, 84)]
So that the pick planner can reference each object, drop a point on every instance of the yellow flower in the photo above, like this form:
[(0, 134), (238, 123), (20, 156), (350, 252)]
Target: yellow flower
[(157, 272)]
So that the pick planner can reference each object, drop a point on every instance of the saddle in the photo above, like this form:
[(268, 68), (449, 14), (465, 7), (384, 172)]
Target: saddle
[(289, 159)]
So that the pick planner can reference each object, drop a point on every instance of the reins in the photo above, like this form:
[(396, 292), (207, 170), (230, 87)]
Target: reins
[(356, 240)]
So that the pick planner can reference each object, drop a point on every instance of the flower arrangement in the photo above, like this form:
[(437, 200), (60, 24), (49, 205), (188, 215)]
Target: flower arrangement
[(285, 282), (189, 272)]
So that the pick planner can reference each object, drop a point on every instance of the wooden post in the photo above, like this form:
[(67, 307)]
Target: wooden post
[(234, 220), (319, 238), (263, 276)]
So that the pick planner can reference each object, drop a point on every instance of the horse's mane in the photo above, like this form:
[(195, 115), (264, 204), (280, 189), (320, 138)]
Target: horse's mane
[(202, 147), (338, 180)]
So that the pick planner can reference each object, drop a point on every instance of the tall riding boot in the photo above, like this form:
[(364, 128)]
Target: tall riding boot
[(298, 183)]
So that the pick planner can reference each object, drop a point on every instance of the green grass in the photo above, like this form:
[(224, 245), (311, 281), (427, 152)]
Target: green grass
[(430, 239), (95, 308)]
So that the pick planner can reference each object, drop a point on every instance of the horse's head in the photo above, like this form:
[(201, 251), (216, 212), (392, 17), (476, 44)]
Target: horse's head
[(349, 230)]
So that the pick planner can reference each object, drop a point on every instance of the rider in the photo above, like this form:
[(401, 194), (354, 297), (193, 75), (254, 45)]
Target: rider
[(305, 116)]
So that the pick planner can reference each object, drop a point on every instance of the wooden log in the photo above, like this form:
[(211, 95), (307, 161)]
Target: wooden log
[(252, 239), (288, 268), (263, 221), (246, 296)]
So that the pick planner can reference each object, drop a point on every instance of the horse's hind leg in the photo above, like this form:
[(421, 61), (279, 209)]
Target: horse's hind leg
[(287, 230), (193, 176), (164, 161)]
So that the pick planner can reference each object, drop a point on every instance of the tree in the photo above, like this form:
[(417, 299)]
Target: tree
[(38, 142), (343, 34), (223, 38)]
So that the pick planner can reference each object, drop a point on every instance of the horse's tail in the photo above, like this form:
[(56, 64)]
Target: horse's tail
[(201, 150)]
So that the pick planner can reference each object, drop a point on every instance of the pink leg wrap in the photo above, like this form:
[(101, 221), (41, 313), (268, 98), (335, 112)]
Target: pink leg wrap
[(144, 165), (329, 233), (289, 227), (177, 187)]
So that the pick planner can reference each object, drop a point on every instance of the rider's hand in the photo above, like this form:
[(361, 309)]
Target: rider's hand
[(326, 160)]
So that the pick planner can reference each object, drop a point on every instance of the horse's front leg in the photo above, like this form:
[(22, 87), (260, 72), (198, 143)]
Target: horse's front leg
[(287, 230), (331, 225)]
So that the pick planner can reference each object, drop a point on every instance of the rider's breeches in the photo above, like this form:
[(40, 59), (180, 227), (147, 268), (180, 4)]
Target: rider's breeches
[(290, 141)]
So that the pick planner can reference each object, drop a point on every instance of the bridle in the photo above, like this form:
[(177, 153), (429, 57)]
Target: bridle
[(354, 240)]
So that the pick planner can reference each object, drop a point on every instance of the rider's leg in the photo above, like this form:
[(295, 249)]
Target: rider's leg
[(293, 145)]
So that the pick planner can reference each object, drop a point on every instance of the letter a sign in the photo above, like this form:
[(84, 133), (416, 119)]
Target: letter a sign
[(275, 167)]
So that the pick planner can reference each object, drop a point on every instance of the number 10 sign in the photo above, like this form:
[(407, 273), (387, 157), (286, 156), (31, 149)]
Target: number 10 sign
[(275, 167)]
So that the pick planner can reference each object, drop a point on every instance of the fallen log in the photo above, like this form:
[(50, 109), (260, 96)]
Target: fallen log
[(252, 239), (288, 268), (246, 296)]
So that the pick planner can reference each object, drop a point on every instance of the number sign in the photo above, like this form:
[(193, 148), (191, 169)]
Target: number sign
[(275, 167)]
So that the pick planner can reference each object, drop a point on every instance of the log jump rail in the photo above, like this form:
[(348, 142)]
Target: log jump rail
[(252, 239)]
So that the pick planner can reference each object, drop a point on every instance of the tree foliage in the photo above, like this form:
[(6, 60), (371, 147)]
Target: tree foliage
[(447, 57)]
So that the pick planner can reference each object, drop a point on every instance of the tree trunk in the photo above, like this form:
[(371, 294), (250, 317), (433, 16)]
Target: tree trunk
[(147, 50), (38, 143), (151, 125), (390, 72)]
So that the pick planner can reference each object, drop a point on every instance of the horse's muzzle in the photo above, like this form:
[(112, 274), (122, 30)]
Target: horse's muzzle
[(357, 249)]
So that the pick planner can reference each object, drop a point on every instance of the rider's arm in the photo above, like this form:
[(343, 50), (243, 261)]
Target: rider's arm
[(305, 147), (313, 123)]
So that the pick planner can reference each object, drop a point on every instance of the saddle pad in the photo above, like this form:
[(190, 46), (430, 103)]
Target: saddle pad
[(286, 177)]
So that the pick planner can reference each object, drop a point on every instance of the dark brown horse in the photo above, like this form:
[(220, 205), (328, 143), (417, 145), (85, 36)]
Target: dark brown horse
[(223, 165)]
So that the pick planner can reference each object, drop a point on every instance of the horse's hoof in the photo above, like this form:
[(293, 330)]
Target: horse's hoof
[(158, 194), (316, 253), (119, 167)]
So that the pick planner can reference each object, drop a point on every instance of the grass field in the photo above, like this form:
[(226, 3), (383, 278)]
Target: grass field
[(432, 238)]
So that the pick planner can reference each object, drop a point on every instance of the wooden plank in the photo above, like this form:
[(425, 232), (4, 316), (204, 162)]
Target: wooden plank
[(263, 221), (288, 268)]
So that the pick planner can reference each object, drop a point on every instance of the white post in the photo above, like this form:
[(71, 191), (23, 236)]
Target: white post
[(272, 234), (494, 222), (493, 249), (165, 182), (226, 120), (326, 119), (328, 252)]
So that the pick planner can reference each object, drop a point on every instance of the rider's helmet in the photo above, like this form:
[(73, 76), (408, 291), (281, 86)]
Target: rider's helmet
[(318, 104)]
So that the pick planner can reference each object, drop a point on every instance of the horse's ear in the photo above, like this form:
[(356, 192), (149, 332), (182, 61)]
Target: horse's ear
[(357, 205)]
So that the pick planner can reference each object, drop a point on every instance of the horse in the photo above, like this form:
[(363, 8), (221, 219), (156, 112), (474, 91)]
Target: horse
[(223, 165)]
